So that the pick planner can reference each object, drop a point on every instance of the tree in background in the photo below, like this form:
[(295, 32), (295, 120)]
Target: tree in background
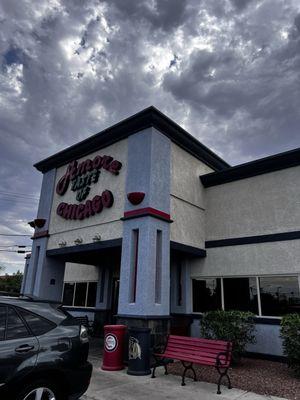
[(11, 283)]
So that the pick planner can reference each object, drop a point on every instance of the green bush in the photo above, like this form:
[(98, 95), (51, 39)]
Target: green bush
[(233, 326), (290, 333)]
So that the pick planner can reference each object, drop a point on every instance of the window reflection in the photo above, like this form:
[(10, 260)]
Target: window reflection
[(206, 294), (279, 295), (240, 294), (68, 294)]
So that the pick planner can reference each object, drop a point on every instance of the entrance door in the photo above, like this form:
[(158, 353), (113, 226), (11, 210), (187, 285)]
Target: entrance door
[(115, 299)]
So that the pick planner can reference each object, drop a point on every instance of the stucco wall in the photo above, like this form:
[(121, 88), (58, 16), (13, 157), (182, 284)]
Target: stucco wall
[(268, 339), (254, 259), (81, 273), (187, 198), (107, 223), (268, 203)]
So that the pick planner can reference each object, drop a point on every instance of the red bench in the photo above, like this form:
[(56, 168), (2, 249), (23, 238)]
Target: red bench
[(189, 351)]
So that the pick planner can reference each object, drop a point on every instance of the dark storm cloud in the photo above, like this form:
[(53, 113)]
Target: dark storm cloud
[(163, 14), (227, 71), (241, 4)]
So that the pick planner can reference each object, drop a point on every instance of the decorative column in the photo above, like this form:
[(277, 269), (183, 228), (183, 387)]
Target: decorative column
[(44, 275), (103, 300), (144, 298)]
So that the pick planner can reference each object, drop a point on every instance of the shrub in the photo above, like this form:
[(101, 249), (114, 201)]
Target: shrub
[(233, 326), (290, 333)]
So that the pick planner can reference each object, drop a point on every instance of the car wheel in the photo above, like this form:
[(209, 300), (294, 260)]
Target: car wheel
[(41, 390)]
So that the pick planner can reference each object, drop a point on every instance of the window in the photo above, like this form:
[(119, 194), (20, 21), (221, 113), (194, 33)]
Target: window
[(263, 296), (68, 296), (240, 294), (15, 326), (80, 294), (279, 295), (133, 265), (37, 324), (2, 322), (206, 294), (91, 297), (158, 267)]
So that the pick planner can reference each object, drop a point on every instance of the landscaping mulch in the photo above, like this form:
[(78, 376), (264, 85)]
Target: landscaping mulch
[(258, 376)]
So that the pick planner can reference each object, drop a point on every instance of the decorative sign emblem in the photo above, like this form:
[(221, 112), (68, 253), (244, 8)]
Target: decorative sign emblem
[(82, 176), (134, 349), (110, 342)]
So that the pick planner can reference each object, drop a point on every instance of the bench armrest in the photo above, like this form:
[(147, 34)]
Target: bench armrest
[(219, 362), (161, 346)]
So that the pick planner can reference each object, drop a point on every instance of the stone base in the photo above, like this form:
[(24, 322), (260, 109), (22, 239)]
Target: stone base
[(181, 325), (102, 317), (160, 327)]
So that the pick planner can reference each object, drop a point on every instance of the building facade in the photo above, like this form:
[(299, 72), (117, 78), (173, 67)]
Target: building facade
[(142, 224)]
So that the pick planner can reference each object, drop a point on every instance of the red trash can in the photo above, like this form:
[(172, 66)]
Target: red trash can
[(113, 347)]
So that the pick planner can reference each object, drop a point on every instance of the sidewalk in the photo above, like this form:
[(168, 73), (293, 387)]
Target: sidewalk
[(120, 386)]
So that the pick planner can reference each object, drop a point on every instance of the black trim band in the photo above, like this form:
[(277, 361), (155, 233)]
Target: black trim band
[(253, 168), (81, 309), (89, 247), (144, 317), (267, 321), (273, 237), (257, 320), (190, 250), (264, 356)]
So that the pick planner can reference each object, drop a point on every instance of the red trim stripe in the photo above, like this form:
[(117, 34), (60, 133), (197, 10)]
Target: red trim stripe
[(41, 234), (147, 211)]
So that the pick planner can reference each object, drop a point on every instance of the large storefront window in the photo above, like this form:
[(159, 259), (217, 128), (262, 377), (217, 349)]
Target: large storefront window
[(240, 294), (68, 296), (279, 295), (80, 294), (206, 294), (264, 296)]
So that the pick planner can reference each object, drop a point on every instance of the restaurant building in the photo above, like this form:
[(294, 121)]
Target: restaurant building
[(142, 224)]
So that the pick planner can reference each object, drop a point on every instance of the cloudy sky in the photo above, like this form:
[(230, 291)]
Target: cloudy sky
[(227, 71)]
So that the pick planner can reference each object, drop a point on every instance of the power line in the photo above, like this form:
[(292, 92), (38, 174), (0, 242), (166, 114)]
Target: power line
[(13, 234), (30, 196), (15, 245), (16, 251), (16, 199)]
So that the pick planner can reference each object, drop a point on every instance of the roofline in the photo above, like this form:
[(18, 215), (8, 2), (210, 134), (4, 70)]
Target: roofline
[(261, 166), (149, 117)]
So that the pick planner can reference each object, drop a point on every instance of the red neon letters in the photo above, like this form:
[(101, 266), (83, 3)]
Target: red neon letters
[(87, 209), (75, 170)]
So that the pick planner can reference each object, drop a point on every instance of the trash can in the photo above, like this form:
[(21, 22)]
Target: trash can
[(113, 347), (139, 351)]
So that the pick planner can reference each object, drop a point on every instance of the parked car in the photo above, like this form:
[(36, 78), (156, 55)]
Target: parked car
[(43, 351)]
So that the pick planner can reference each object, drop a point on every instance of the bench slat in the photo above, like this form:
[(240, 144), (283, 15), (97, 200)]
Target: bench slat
[(193, 347), (191, 352), (196, 360), (192, 339), (219, 347)]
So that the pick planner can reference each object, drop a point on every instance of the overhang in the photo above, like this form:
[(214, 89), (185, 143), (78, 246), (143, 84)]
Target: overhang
[(90, 253), (149, 117)]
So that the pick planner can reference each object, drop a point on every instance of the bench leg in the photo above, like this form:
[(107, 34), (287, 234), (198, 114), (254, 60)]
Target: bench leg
[(222, 374), (159, 362), (166, 369), (186, 368)]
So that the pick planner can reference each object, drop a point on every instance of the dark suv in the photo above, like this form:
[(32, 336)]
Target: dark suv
[(43, 352)]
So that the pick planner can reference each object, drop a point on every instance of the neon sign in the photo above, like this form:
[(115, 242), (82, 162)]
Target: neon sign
[(82, 176)]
